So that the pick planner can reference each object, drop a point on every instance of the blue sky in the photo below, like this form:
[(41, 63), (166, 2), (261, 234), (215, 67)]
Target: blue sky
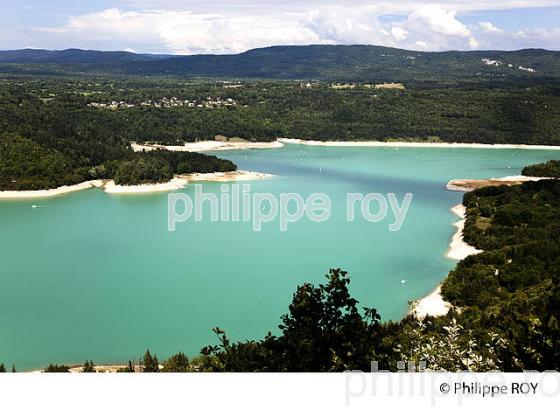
[(230, 26)]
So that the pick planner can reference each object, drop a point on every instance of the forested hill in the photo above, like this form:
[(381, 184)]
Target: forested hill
[(73, 56), (315, 62)]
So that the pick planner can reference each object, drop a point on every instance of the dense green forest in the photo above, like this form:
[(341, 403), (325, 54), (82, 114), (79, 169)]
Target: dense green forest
[(314, 62), (513, 288), (548, 169), (505, 317), (70, 130), (265, 111), (46, 143)]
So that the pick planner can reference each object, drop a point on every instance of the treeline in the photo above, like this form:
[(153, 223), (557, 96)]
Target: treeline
[(3, 368), (548, 169), (27, 165), (148, 363), (265, 111), (160, 166)]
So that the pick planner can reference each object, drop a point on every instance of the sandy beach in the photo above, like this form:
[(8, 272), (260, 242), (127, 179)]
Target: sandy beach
[(399, 144), (468, 185), (110, 187), (173, 185), (458, 248), (433, 304), (46, 193), (205, 146)]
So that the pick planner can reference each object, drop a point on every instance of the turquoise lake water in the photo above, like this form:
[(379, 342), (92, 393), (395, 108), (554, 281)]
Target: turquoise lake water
[(97, 276)]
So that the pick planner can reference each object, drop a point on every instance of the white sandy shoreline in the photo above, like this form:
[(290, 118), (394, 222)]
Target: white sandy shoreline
[(403, 144), (205, 146), (210, 145), (47, 193), (433, 304), (109, 186), (173, 185), (458, 248)]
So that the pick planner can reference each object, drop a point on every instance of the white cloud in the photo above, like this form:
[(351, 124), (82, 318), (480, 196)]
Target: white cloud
[(527, 38), (399, 33), (182, 32), (473, 43), (489, 27), (233, 26), (436, 20), (298, 5)]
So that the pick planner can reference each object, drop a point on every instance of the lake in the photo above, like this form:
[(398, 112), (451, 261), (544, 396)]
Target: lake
[(96, 276)]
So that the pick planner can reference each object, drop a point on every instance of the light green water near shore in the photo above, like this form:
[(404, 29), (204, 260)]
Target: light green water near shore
[(95, 276)]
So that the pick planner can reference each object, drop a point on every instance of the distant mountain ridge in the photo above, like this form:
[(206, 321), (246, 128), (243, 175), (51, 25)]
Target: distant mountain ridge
[(319, 62), (73, 56)]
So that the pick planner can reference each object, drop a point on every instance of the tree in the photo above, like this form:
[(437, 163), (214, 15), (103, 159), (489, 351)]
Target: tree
[(2, 368), (324, 330), (150, 363), (177, 363), (451, 348), (127, 369), (13, 368), (88, 367), (55, 368), (548, 169)]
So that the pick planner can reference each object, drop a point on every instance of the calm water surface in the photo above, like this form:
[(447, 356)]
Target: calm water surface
[(95, 276)]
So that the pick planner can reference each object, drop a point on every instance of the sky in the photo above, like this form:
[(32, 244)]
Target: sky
[(233, 26)]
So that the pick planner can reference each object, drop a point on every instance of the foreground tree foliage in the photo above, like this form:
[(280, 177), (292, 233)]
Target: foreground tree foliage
[(149, 363), (448, 346), (323, 331), (178, 363), (88, 367)]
